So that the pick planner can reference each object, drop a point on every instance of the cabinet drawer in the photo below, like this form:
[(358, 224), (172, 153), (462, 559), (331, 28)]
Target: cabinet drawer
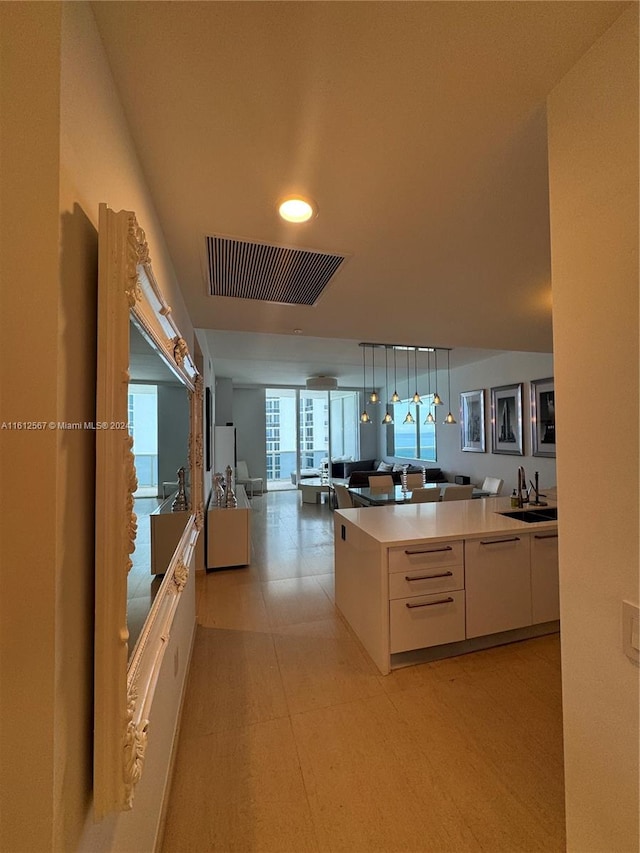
[(410, 557), (424, 581), (426, 620)]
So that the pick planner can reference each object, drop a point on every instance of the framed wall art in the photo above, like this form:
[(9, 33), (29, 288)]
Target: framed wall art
[(506, 420), (543, 417), (472, 421)]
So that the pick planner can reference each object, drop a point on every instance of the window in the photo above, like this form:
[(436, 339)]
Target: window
[(143, 426), (416, 440), (305, 428)]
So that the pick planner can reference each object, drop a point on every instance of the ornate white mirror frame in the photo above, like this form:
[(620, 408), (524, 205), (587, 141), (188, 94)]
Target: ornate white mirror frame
[(124, 687)]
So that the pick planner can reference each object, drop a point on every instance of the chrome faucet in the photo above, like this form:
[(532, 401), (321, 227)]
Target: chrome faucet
[(522, 485)]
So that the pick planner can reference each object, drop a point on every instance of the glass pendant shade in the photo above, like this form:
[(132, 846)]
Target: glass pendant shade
[(395, 397), (437, 399), (449, 419), (364, 417), (373, 396), (430, 419), (416, 396), (409, 419), (388, 417)]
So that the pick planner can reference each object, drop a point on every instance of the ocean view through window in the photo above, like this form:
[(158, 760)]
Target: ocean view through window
[(415, 440)]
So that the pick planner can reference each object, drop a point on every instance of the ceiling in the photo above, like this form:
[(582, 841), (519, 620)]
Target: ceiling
[(418, 128)]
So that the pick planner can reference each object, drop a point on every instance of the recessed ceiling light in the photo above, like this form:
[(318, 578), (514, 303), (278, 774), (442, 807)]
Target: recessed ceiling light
[(296, 209)]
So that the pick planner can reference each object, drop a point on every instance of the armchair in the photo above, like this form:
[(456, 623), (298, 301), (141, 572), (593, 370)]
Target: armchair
[(243, 478)]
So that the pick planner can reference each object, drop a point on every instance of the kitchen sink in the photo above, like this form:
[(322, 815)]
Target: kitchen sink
[(533, 515)]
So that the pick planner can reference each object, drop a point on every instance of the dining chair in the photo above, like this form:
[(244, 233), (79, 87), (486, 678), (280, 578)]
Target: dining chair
[(414, 481), (492, 485), (423, 496), (457, 493), (381, 482), (343, 496)]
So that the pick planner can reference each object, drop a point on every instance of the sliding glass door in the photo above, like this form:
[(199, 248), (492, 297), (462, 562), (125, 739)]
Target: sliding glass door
[(305, 429), (313, 434)]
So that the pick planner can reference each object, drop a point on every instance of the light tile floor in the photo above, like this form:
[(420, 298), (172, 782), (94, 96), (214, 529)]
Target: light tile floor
[(291, 740)]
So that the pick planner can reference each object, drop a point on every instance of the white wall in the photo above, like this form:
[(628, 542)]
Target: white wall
[(224, 401), (31, 574), (69, 150), (250, 421), (593, 159), (173, 432), (505, 369)]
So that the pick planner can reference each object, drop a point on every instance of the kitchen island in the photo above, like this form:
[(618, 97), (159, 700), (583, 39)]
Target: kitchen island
[(424, 581)]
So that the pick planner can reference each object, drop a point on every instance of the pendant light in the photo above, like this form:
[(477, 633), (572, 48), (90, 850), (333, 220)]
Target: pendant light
[(429, 419), (395, 397), (409, 417), (449, 419), (416, 396), (364, 417), (388, 417), (437, 401), (373, 396)]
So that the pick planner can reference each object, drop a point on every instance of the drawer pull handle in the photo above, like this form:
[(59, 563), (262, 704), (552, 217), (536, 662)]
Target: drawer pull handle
[(499, 541), (413, 551), (429, 577), (447, 600), (548, 536)]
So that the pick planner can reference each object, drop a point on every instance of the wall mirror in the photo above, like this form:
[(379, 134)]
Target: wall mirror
[(158, 421), (134, 325)]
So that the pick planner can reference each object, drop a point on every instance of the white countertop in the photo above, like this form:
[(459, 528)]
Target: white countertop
[(411, 523)]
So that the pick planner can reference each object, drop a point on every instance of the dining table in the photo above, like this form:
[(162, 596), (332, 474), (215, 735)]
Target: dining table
[(367, 496)]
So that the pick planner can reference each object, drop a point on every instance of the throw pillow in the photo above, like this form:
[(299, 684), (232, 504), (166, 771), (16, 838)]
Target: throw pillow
[(386, 467)]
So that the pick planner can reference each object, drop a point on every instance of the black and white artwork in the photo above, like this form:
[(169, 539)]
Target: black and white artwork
[(543, 417), (472, 421), (506, 420)]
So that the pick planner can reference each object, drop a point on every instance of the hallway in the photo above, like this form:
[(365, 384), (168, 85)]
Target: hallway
[(291, 741)]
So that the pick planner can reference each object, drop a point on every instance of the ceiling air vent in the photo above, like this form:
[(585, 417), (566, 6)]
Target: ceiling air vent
[(249, 270)]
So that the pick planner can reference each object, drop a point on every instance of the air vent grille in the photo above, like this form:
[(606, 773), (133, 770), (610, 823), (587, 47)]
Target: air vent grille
[(270, 273)]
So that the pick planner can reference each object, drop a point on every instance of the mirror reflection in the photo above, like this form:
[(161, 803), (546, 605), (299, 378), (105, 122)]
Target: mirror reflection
[(159, 423)]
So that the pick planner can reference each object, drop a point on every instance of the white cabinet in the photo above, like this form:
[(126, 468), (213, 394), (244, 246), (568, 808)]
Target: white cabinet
[(545, 596), (167, 528), (426, 596), (434, 593), (229, 533), (498, 584)]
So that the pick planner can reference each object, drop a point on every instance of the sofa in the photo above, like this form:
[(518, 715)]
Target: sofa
[(358, 473)]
